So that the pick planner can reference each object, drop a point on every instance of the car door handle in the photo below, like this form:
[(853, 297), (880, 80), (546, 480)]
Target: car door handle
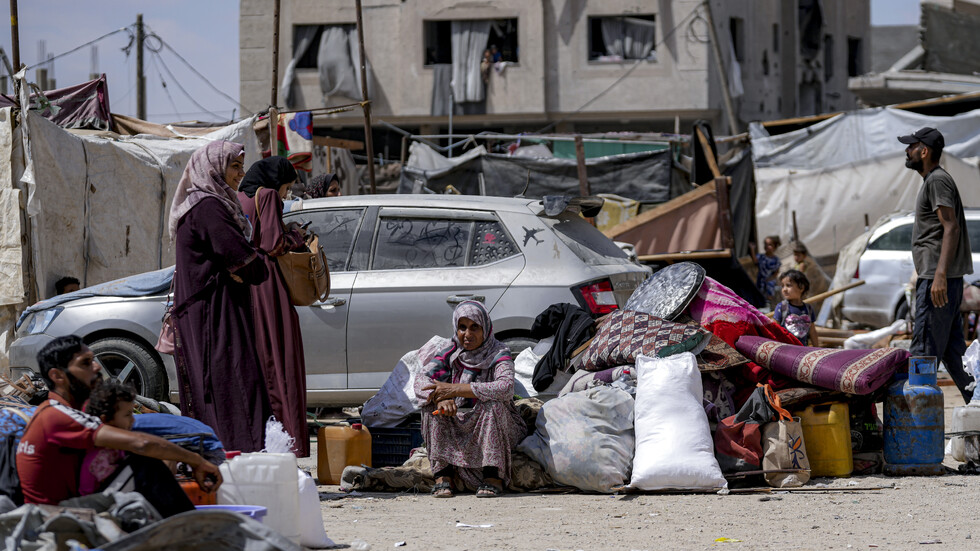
[(456, 299), (330, 302)]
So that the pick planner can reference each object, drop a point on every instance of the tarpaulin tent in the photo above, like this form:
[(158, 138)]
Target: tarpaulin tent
[(836, 171), (89, 205), (641, 176), (84, 105)]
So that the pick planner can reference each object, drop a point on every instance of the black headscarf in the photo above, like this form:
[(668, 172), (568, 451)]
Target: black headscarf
[(271, 172), (320, 184)]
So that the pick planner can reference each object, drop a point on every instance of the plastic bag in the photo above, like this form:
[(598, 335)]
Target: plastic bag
[(396, 399), (311, 529), (971, 364)]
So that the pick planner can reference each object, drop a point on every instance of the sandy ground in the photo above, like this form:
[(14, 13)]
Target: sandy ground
[(937, 512)]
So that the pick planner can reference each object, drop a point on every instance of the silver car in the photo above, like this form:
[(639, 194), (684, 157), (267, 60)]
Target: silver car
[(399, 264), (886, 267)]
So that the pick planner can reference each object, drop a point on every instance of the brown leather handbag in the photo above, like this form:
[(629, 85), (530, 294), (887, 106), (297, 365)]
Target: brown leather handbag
[(305, 272)]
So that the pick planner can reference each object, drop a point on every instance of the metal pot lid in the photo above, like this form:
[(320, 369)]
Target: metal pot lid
[(667, 293)]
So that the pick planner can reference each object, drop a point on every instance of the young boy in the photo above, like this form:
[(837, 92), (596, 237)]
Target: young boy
[(113, 403), (798, 318)]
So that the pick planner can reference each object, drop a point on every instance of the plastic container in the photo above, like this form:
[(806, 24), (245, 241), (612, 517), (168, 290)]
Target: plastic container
[(196, 494), (966, 448), (391, 447), (827, 434), (268, 480), (252, 511), (338, 446), (914, 427)]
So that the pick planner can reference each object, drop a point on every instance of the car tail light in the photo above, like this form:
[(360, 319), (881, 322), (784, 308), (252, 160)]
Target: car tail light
[(599, 297), (857, 272)]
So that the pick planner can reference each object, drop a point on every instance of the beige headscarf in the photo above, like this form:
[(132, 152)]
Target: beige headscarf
[(204, 177)]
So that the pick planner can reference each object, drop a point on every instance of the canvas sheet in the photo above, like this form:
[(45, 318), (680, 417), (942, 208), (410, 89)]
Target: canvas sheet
[(102, 201), (859, 136), (831, 203), (11, 272)]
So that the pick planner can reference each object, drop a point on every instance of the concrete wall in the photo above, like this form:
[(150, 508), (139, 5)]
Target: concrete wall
[(554, 78)]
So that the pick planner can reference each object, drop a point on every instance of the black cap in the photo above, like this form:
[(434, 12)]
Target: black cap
[(932, 138)]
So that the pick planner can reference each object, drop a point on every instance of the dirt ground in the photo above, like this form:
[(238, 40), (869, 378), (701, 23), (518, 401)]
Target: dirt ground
[(912, 512)]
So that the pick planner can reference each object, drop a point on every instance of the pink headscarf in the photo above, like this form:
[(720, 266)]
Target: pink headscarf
[(204, 177)]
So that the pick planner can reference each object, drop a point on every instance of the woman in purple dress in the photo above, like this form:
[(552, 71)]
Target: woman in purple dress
[(476, 371), (278, 339), (221, 382)]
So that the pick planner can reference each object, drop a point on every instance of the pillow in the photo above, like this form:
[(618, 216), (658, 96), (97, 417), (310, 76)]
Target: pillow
[(627, 334), (849, 371)]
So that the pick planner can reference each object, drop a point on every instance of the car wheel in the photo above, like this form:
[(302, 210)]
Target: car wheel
[(131, 362), (519, 344), (902, 312)]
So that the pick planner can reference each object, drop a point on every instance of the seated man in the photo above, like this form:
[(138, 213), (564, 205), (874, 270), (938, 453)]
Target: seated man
[(58, 437)]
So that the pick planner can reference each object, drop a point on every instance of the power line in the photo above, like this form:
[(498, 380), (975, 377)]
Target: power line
[(177, 82), (694, 13), (163, 83), (198, 73), (73, 50)]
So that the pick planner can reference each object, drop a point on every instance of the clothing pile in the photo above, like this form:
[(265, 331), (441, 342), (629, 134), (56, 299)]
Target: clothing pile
[(688, 387)]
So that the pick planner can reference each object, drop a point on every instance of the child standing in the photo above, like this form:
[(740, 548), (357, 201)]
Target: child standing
[(801, 260), (113, 402), (769, 265), (792, 313)]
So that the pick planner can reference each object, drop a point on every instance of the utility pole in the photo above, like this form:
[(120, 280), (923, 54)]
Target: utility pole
[(368, 139), (14, 36), (140, 79), (722, 75)]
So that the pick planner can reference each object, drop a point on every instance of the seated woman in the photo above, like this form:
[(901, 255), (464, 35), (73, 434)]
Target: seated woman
[(476, 371)]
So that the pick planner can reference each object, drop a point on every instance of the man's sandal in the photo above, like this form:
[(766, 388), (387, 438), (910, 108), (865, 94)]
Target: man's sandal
[(442, 489), (488, 490)]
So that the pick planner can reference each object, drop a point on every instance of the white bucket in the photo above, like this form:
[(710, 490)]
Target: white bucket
[(266, 479)]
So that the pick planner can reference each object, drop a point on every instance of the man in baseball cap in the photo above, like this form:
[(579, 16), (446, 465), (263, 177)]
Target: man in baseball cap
[(941, 254)]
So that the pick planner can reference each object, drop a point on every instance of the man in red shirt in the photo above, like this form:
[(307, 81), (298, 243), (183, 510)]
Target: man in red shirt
[(50, 453)]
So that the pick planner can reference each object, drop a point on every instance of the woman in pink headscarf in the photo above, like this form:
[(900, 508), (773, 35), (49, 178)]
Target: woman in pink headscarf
[(476, 371), (221, 382)]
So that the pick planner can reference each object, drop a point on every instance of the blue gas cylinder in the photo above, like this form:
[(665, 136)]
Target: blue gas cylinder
[(914, 427)]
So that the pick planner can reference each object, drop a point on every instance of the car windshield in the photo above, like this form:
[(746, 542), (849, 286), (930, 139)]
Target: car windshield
[(585, 241)]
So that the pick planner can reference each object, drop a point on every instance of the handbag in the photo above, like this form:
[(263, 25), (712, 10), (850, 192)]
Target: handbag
[(784, 448), (306, 273), (166, 340)]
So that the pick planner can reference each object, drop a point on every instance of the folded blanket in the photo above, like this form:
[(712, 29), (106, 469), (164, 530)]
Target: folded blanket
[(850, 371), (626, 335)]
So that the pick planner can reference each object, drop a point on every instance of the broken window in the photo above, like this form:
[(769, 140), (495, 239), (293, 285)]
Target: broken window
[(333, 51), (736, 27), (306, 41), (616, 38), (501, 41), (854, 57), (828, 56)]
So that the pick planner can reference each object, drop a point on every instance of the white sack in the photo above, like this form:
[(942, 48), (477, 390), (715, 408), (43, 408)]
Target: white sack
[(311, 532), (585, 439), (867, 340), (674, 449), (396, 399), (524, 365)]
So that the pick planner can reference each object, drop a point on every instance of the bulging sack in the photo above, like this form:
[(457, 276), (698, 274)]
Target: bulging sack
[(585, 439), (673, 439), (783, 446)]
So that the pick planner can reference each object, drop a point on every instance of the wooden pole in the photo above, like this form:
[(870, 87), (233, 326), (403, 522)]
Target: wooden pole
[(832, 292), (583, 175), (720, 67), (140, 79), (14, 36), (708, 153), (275, 56), (796, 230), (368, 139), (273, 132), (724, 212)]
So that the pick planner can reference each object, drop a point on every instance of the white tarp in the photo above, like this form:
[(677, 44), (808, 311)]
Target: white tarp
[(835, 172), (423, 157)]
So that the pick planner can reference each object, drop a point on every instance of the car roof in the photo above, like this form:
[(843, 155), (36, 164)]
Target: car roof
[(480, 202)]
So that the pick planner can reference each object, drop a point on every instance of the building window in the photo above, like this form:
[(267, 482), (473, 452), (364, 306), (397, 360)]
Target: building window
[(615, 38), (736, 27), (501, 41), (775, 38), (854, 57), (307, 38), (828, 56)]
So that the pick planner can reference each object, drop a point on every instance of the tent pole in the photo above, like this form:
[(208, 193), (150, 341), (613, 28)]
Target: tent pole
[(366, 105), (583, 175), (275, 54), (14, 36)]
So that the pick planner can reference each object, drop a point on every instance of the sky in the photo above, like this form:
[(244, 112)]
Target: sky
[(204, 32)]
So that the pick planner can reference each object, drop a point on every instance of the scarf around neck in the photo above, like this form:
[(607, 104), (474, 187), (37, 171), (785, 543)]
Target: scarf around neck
[(204, 177)]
